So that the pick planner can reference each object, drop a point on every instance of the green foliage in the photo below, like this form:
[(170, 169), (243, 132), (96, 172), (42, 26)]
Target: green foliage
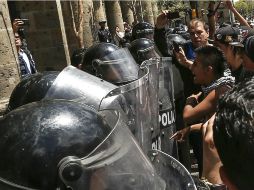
[(244, 7), (173, 6)]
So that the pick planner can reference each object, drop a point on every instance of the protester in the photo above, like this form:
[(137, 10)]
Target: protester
[(208, 69), (248, 49), (237, 15), (224, 37), (233, 136)]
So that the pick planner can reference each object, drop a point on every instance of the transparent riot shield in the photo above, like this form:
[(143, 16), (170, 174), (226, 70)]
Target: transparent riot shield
[(166, 108), (117, 163), (74, 84), (175, 175), (153, 66), (139, 111)]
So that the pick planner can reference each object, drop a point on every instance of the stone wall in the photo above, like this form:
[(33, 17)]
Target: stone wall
[(9, 75), (43, 35)]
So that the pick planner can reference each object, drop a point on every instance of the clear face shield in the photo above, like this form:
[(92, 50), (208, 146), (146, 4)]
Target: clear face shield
[(77, 85), (118, 67), (148, 53), (117, 163)]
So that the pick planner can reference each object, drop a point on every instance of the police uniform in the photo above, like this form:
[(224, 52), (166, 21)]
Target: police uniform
[(104, 35)]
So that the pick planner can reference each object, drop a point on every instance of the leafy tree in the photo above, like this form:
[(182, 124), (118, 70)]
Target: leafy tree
[(242, 7)]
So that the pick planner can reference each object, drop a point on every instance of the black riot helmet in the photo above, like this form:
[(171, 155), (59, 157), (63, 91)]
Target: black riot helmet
[(61, 144), (143, 30), (110, 63), (31, 89), (143, 49)]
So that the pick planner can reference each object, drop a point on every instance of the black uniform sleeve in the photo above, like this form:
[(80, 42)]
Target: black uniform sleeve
[(160, 41), (100, 36)]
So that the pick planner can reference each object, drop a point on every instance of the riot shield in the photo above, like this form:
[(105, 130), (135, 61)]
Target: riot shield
[(166, 108), (153, 66), (165, 103), (139, 113), (175, 175), (74, 84)]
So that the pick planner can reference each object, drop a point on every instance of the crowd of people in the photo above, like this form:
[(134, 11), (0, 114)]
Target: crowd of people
[(212, 86), (121, 39)]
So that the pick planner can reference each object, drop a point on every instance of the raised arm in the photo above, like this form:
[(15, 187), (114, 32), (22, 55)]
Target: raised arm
[(238, 16)]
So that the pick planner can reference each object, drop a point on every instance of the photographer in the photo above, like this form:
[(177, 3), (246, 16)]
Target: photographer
[(26, 62)]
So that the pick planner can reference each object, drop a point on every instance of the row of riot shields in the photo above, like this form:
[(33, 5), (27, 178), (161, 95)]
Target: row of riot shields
[(147, 108)]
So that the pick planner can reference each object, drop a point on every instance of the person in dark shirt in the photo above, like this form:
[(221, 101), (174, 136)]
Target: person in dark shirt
[(233, 136), (247, 46), (103, 33), (224, 37)]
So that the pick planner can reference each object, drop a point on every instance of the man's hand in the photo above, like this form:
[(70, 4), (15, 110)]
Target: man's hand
[(181, 135), (182, 59), (17, 23), (229, 4), (180, 56), (193, 100), (196, 96)]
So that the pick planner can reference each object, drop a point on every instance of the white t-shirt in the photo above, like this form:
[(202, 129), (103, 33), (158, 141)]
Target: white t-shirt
[(24, 56)]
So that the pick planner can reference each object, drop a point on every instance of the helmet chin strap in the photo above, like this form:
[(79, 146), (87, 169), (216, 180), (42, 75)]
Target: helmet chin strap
[(20, 187)]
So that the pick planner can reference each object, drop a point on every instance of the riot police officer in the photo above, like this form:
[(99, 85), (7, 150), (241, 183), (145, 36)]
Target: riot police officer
[(111, 63), (59, 144), (104, 34), (31, 89), (142, 30), (143, 49)]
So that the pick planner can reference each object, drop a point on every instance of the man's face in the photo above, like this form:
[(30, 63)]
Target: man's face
[(228, 52), (17, 40), (199, 71), (198, 34)]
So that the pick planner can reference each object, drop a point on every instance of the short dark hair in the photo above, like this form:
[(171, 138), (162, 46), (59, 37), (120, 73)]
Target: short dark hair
[(212, 56), (234, 133)]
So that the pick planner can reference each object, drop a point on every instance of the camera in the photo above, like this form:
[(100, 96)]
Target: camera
[(173, 15), (25, 21)]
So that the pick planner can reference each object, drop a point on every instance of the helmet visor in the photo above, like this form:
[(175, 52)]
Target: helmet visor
[(148, 53), (118, 67), (73, 84), (118, 162)]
